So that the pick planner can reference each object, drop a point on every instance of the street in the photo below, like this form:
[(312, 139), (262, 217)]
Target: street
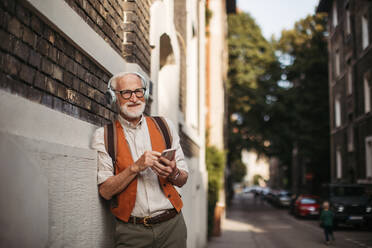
[(256, 224)]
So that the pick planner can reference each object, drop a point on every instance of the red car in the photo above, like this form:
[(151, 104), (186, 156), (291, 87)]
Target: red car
[(307, 205)]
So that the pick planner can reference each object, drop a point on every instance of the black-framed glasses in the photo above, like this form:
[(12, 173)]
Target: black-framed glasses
[(126, 94)]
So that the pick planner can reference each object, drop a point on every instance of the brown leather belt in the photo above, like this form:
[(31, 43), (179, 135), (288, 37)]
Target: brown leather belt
[(148, 221)]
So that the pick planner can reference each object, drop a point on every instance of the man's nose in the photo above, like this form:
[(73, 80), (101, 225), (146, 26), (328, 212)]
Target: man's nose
[(133, 97)]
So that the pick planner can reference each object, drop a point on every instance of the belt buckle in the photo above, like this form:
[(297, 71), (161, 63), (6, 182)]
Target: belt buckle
[(145, 221)]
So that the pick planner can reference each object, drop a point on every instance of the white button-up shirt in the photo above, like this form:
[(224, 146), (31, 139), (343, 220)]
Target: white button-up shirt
[(150, 200)]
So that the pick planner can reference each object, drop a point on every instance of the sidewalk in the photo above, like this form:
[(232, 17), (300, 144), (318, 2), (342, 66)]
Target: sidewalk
[(234, 233)]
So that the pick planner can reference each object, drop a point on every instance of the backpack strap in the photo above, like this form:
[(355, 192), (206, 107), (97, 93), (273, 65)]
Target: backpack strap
[(164, 129), (111, 142)]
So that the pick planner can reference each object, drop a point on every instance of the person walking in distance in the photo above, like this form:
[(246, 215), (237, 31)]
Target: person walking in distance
[(326, 221), (143, 185)]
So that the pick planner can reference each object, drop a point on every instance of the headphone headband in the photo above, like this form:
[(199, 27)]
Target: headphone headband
[(110, 94)]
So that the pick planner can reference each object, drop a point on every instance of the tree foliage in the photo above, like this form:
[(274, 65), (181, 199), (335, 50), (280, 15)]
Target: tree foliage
[(215, 160), (306, 47), (278, 91), (238, 171), (253, 73)]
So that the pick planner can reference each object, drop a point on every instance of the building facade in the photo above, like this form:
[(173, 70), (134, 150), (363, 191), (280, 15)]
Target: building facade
[(350, 84), (56, 59), (216, 77)]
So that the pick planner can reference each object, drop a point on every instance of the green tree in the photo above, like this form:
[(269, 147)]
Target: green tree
[(278, 94), (253, 73), (215, 160), (256, 179), (305, 64), (238, 171)]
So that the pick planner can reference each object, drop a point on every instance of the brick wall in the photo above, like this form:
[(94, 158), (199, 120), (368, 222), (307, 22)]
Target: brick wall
[(137, 29), (124, 24), (105, 17), (38, 63)]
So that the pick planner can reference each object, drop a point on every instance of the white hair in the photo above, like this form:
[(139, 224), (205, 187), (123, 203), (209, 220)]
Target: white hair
[(115, 77)]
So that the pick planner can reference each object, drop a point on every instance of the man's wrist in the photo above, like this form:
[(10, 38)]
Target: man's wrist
[(175, 175), (133, 168)]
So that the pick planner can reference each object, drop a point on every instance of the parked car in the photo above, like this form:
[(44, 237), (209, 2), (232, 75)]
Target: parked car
[(270, 196), (283, 198), (307, 206), (279, 198), (264, 192), (349, 203), (247, 190)]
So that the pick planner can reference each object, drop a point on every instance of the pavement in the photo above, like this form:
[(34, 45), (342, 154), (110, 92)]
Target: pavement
[(233, 233), (253, 223)]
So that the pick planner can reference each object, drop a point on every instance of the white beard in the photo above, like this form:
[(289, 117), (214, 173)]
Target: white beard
[(133, 114)]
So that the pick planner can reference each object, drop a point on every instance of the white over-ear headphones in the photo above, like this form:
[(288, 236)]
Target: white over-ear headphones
[(110, 93)]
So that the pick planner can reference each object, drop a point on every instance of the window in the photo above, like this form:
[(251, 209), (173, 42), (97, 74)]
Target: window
[(350, 139), (338, 111), (349, 82), (367, 93), (365, 34), (348, 21), (309, 201), (334, 14), (338, 164), (349, 77), (337, 63), (369, 157)]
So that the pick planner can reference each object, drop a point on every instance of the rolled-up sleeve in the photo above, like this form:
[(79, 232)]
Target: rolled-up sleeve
[(180, 157), (105, 168)]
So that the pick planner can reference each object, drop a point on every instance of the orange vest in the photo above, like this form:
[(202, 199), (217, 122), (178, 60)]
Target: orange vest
[(127, 198)]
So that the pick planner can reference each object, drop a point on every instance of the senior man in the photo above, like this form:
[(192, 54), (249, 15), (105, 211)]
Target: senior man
[(144, 184)]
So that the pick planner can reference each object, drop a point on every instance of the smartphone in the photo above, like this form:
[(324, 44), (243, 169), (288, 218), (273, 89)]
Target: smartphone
[(169, 154)]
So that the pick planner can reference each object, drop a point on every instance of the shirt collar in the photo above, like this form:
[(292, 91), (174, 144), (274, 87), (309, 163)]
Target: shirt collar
[(126, 123)]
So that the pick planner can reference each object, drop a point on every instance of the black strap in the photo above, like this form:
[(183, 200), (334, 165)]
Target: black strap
[(164, 129), (111, 151), (110, 143)]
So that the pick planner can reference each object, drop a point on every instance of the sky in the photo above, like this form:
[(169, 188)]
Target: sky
[(274, 15)]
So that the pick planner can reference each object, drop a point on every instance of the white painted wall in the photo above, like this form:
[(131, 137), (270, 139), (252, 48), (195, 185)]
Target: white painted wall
[(165, 82), (48, 161), (192, 89), (217, 69), (166, 100), (48, 180), (168, 92)]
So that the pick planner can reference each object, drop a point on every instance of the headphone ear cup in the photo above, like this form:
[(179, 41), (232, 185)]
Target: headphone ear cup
[(147, 92), (145, 84), (110, 96)]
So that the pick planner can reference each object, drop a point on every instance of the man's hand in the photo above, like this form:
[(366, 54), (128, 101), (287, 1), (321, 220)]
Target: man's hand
[(164, 167), (148, 159)]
